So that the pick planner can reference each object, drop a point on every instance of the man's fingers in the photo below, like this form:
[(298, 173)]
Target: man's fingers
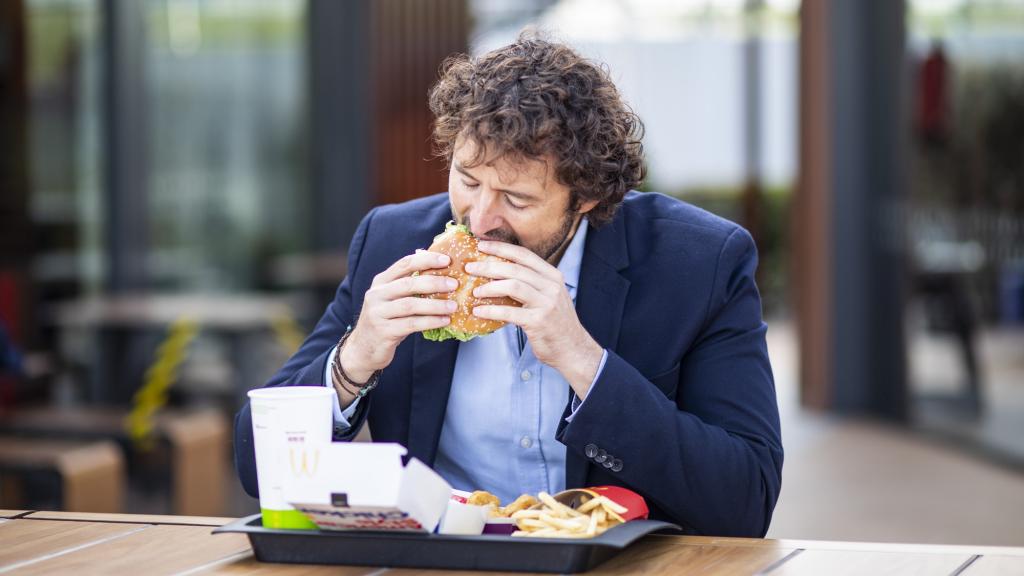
[(414, 306), (422, 260), (505, 270), (511, 314), (413, 285), (514, 288), (402, 327), (519, 255)]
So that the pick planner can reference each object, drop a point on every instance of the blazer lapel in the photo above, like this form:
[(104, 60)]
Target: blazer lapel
[(433, 368), (600, 304)]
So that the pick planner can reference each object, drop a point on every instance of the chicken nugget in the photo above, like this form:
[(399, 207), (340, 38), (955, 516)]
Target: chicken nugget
[(522, 503), (483, 498)]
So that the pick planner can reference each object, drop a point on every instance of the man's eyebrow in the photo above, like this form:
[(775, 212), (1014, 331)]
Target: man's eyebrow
[(521, 195)]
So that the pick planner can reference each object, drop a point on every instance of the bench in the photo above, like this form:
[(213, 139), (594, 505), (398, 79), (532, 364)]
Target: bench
[(88, 476), (192, 447)]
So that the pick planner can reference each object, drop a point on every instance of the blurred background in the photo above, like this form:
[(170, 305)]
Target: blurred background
[(179, 180)]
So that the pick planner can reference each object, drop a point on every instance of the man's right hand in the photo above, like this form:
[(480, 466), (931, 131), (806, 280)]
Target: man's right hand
[(392, 310)]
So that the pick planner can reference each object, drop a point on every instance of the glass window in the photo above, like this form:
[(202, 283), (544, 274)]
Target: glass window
[(64, 82), (227, 176)]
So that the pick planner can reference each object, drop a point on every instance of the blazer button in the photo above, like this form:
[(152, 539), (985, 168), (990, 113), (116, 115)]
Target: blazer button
[(617, 465), (590, 450), (601, 456), (608, 463)]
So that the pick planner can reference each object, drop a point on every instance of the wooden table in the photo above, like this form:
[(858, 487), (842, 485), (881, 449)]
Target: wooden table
[(63, 542)]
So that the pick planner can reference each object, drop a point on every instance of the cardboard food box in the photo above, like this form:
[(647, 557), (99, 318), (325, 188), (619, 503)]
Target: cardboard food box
[(364, 486)]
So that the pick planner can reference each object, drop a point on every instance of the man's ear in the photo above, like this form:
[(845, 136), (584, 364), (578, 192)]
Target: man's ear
[(587, 206)]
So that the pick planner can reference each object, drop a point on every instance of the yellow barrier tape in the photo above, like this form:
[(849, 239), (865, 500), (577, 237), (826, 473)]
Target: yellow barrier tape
[(287, 332), (158, 379)]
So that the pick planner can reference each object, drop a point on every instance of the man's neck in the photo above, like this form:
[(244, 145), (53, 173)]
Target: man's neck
[(555, 258)]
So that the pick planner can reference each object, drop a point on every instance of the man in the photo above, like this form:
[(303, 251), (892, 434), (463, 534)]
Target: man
[(638, 355)]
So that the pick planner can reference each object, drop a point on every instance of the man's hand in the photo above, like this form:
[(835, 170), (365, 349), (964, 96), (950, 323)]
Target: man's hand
[(547, 316), (392, 310)]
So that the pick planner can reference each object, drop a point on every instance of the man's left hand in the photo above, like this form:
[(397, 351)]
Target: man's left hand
[(547, 314)]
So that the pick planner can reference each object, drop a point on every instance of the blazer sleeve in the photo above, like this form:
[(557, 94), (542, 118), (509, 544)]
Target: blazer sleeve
[(308, 364), (712, 457)]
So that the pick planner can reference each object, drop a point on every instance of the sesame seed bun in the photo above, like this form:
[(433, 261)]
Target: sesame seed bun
[(460, 245)]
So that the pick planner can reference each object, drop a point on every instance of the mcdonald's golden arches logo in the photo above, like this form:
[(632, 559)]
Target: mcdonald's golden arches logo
[(304, 463)]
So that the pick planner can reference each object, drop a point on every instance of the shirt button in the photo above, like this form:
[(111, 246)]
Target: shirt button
[(525, 442), (590, 450), (525, 375)]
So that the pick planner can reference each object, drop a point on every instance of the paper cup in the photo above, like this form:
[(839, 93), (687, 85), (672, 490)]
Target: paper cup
[(289, 424), (461, 518)]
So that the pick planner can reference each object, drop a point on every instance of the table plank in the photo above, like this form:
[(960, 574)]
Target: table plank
[(248, 565), (25, 540), (667, 555), (862, 546), (857, 562), (11, 513), (160, 549), (996, 566), (134, 518)]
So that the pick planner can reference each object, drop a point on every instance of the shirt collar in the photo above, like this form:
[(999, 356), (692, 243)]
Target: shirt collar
[(571, 260)]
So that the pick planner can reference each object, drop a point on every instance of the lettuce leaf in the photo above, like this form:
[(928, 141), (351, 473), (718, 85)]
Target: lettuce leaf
[(447, 333), (451, 225)]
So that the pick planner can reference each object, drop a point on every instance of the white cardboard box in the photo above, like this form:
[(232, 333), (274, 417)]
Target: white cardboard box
[(363, 486)]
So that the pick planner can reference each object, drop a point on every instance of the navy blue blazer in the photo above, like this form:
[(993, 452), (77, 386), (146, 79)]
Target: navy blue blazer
[(686, 399)]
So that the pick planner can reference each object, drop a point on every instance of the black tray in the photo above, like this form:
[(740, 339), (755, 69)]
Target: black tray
[(412, 550)]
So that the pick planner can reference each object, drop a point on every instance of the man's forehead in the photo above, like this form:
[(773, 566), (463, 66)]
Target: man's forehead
[(510, 168)]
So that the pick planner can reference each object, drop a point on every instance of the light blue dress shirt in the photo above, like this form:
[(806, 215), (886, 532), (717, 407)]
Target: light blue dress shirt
[(503, 409)]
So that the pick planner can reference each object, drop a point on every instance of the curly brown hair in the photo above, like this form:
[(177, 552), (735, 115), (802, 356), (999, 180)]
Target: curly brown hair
[(535, 99)]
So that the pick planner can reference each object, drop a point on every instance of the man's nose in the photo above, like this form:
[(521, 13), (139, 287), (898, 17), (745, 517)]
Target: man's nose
[(484, 217)]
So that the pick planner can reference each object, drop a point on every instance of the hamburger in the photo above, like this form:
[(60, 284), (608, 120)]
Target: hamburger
[(459, 244)]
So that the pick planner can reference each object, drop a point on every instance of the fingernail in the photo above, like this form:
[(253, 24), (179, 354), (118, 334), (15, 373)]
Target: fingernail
[(472, 267), (442, 259), (451, 283), (451, 305)]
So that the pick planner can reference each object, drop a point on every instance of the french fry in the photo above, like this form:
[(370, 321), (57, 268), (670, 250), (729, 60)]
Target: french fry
[(557, 507), (531, 524), (592, 503), (592, 528), (526, 514), (574, 524), (612, 506)]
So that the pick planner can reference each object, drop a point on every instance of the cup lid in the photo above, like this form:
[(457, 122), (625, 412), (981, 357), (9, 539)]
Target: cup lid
[(290, 392)]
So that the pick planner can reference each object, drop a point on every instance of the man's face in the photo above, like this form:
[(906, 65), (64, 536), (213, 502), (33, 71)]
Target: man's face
[(520, 203)]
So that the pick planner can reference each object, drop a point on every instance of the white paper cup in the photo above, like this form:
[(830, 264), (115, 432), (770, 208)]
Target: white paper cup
[(289, 423), (460, 518)]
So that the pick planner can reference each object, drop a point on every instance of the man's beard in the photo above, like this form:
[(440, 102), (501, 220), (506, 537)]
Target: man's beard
[(547, 248)]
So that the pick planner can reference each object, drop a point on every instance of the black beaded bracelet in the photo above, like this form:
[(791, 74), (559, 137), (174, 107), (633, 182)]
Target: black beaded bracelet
[(339, 373)]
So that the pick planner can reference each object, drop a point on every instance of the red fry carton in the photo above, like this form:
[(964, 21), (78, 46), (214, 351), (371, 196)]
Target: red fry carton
[(636, 507)]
